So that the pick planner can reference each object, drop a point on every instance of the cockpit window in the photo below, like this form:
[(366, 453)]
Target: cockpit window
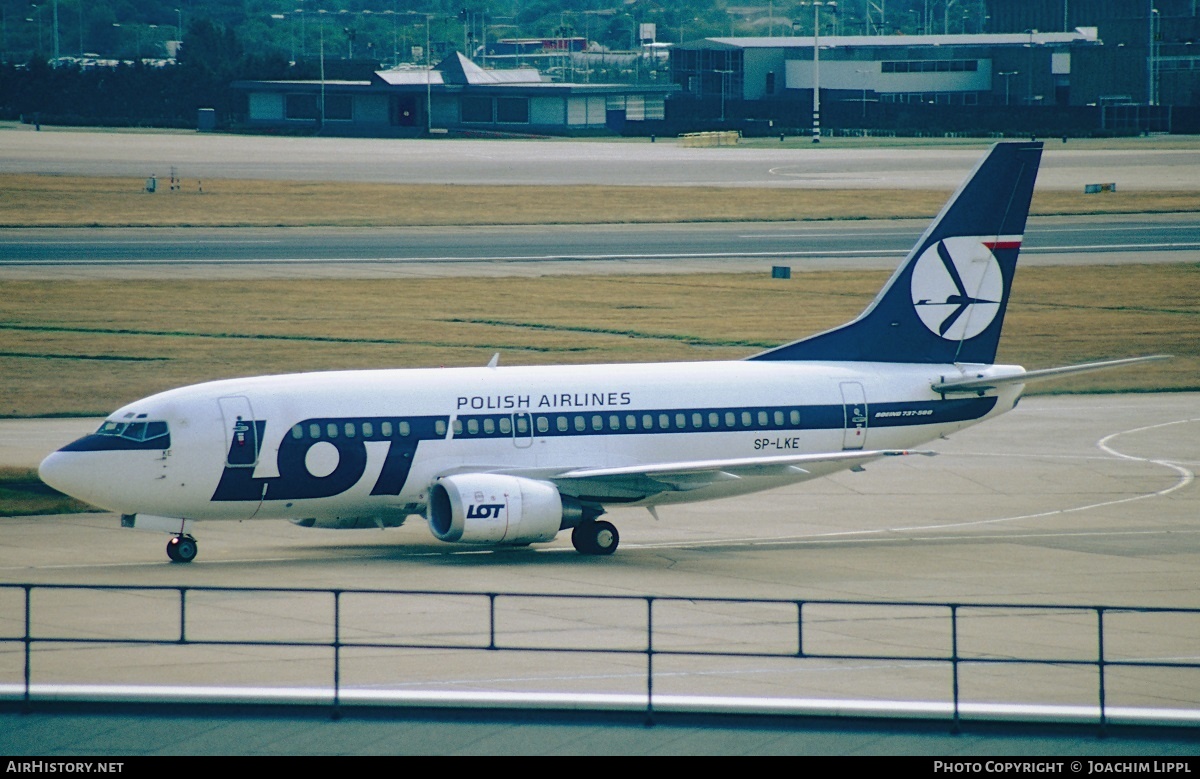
[(134, 431)]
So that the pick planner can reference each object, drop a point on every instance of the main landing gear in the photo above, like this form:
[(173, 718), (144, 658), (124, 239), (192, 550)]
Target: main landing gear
[(182, 549), (595, 537)]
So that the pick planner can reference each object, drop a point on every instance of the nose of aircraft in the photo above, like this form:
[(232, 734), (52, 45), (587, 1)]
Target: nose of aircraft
[(68, 473)]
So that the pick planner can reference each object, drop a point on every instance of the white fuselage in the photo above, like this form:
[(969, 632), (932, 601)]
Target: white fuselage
[(354, 444)]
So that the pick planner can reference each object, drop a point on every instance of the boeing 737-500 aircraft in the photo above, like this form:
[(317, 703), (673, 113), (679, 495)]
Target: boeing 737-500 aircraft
[(515, 455)]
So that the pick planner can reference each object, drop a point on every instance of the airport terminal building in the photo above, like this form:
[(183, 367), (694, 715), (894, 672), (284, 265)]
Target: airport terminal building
[(456, 95), (1089, 65), (1031, 68)]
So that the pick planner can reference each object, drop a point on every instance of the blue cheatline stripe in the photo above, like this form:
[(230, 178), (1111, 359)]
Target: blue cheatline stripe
[(721, 419), (350, 436)]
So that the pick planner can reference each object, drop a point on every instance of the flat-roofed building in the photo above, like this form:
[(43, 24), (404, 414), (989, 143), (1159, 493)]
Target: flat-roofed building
[(454, 95)]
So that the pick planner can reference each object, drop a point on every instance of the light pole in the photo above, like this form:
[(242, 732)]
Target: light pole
[(864, 73), (946, 16), (1153, 59), (816, 6), (1006, 75), (724, 75)]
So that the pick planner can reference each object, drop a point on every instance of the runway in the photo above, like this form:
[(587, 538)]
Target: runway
[(558, 249), (838, 164)]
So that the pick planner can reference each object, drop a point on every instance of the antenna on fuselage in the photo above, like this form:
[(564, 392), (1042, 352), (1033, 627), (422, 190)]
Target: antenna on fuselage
[(492, 363)]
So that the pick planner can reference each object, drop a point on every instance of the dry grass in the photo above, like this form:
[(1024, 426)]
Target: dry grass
[(87, 347), (61, 201), (23, 494)]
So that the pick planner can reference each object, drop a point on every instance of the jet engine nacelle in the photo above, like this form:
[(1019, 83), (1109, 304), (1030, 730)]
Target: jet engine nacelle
[(484, 508)]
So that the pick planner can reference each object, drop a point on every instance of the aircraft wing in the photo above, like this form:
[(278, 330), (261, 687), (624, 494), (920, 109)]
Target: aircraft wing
[(980, 383), (636, 482)]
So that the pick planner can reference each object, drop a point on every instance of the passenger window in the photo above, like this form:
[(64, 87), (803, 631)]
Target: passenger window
[(350, 430), (562, 424), (630, 422), (794, 416), (331, 429), (664, 421), (314, 430), (730, 419), (405, 429), (648, 421), (697, 420), (385, 429), (778, 419), (714, 419), (597, 422), (489, 425), (439, 427), (614, 422), (762, 419), (297, 431), (473, 426), (746, 419), (368, 429), (681, 421), (580, 424), (506, 425), (543, 424), (458, 427)]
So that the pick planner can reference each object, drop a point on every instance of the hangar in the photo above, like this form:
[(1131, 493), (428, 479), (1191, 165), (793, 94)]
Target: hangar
[(1030, 68), (454, 95)]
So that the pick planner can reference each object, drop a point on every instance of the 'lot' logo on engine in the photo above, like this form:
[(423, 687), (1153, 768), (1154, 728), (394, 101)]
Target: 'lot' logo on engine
[(485, 511)]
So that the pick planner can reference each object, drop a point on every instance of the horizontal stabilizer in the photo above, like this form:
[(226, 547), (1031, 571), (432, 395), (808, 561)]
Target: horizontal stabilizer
[(981, 383)]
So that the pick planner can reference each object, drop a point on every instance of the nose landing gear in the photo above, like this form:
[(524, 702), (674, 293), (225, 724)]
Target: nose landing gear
[(182, 549)]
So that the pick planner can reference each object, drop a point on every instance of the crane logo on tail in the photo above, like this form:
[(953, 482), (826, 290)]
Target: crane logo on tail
[(957, 287)]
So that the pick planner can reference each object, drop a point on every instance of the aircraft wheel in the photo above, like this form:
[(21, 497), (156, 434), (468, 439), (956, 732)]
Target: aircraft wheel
[(595, 538), (182, 549)]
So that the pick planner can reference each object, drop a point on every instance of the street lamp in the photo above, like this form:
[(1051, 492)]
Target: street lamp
[(816, 6), (946, 16), (1153, 58), (1006, 75), (724, 75), (864, 72)]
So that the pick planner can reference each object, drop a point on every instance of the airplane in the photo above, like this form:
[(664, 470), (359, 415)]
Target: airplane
[(515, 455)]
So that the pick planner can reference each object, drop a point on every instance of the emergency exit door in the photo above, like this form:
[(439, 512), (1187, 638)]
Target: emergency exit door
[(854, 405)]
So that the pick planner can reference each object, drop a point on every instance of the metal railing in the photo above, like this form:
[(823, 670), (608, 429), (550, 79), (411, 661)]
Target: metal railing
[(957, 637)]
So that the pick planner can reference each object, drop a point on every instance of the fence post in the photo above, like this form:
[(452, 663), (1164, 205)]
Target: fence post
[(491, 620), (799, 628), (954, 661), (649, 661), (28, 642), (337, 654), (183, 615), (1100, 666)]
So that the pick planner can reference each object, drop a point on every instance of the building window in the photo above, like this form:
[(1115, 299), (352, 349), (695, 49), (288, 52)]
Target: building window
[(339, 108), (302, 107), (512, 110), (477, 109)]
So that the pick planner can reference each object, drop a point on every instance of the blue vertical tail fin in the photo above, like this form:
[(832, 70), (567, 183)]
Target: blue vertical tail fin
[(946, 301)]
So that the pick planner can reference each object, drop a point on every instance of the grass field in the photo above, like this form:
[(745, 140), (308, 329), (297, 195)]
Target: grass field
[(60, 201), (87, 347)]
